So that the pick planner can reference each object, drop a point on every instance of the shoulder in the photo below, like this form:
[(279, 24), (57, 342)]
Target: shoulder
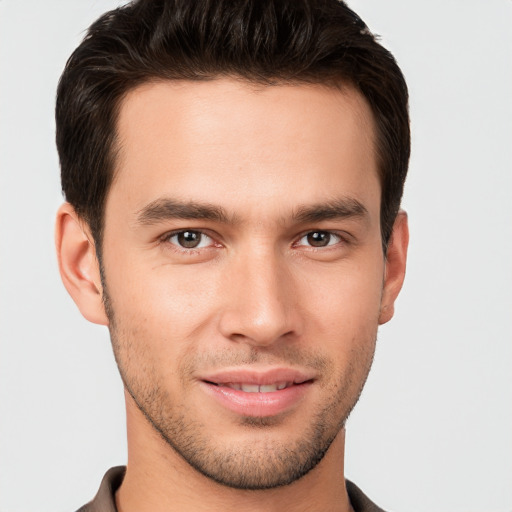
[(104, 501), (360, 502)]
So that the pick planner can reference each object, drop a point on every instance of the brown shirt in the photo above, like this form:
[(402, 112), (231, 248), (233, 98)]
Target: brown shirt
[(105, 501)]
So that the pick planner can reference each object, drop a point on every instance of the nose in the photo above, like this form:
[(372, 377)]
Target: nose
[(260, 304)]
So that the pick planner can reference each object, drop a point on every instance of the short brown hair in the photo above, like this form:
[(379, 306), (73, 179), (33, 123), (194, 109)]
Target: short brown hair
[(262, 41)]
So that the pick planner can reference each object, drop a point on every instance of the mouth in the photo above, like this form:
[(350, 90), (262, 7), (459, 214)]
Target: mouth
[(256, 388), (258, 394)]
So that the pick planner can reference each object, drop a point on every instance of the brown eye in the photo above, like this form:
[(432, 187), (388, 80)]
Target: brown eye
[(319, 238), (189, 239)]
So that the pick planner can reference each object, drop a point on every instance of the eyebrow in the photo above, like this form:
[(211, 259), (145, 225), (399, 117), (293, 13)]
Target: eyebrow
[(164, 209), (343, 208)]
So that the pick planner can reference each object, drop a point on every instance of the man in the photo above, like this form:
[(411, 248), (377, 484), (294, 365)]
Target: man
[(233, 173)]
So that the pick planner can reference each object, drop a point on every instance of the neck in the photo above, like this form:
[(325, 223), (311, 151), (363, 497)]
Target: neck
[(158, 479)]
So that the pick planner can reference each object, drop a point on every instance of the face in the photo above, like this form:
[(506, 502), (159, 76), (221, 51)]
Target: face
[(243, 270)]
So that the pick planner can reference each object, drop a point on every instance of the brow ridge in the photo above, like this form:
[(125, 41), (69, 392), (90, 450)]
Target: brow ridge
[(165, 208), (341, 208)]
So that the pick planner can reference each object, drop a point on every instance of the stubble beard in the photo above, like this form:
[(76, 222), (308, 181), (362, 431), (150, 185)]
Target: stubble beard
[(264, 463)]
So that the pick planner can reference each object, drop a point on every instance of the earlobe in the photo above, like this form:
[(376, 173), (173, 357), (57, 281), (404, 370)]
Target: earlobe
[(396, 259), (78, 265)]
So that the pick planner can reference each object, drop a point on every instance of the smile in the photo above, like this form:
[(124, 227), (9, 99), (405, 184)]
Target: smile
[(265, 393), (255, 388)]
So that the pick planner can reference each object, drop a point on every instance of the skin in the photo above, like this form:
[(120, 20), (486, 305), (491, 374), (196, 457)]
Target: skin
[(256, 293)]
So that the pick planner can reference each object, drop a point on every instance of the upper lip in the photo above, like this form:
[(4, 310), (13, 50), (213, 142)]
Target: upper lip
[(261, 377)]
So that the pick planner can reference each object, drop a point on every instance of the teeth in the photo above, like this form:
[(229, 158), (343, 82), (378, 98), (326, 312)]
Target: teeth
[(254, 388), (250, 388), (269, 388)]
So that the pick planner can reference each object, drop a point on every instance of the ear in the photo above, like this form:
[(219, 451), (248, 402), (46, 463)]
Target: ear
[(78, 264), (396, 258)]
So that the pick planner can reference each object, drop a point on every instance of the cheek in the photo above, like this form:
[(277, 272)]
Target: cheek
[(345, 297), (164, 306), (343, 312)]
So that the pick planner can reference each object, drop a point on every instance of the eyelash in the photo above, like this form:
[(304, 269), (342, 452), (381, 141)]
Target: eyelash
[(195, 250), (331, 234), (187, 250)]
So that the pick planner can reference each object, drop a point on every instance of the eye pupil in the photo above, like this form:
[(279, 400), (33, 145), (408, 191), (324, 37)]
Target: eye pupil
[(189, 239), (319, 238)]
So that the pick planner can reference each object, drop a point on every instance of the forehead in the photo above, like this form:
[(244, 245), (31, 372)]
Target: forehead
[(246, 146)]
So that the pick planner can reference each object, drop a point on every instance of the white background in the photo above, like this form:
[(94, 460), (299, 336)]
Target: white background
[(433, 431)]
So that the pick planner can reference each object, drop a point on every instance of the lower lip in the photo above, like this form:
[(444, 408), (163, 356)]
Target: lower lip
[(257, 404)]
